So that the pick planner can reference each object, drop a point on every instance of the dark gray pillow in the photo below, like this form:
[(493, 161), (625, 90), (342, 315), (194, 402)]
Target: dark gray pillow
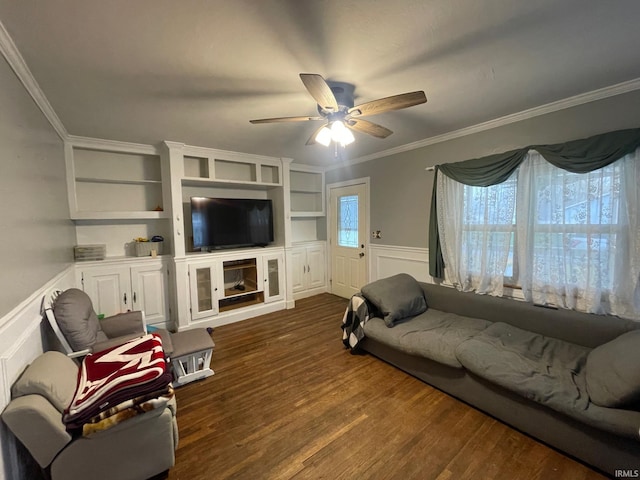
[(396, 297), (75, 317), (612, 372)]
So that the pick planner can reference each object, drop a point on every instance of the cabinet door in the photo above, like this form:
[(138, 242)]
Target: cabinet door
[(315, 267), (109, 289), (298, 269), (204, 291), (148, 292), (272, 270)]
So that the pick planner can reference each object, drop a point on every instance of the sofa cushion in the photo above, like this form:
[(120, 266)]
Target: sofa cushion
[(396, 297), (53, 376), (77, 320), (542, 369), (432, 334), (612, 372)]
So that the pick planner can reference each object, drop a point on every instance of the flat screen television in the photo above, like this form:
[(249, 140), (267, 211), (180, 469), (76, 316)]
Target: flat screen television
[(231, 222)]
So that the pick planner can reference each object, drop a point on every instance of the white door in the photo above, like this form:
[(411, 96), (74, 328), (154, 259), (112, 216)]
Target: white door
[(348, 234), (148, 286), (109, 289)]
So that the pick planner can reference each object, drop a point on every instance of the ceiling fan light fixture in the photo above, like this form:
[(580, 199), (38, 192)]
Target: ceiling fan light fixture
[(324, 136), (341, 134)]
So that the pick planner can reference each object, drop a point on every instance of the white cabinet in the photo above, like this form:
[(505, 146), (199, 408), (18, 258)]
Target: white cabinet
[(227, 287), (272, 271), (308, 270), (116, 287), (203, 283)]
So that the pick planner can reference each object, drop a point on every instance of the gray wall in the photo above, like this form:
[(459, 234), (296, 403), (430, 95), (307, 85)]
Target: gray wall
[(37, 236), (401, 188)]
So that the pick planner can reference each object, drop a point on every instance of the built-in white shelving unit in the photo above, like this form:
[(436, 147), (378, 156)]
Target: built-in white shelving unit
[(119, 191)]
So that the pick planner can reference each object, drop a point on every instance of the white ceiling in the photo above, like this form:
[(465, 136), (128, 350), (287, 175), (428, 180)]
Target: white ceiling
[(196, 71)]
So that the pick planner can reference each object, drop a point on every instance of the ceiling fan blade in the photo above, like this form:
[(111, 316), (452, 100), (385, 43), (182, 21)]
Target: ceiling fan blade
[(312, 138), (320, 91), (371, 128), (395, 102), (285, 119)]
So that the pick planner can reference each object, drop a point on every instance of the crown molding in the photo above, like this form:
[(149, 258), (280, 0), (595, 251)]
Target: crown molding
[(20, 68), (583, 98), (91, 143)]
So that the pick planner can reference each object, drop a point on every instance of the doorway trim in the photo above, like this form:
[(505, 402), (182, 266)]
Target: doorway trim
[(330, 216)]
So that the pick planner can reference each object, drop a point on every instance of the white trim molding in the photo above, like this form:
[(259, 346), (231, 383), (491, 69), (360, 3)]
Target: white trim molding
[(91, 143), (387, 260), (19, 66), (581, 99), (22, 339)]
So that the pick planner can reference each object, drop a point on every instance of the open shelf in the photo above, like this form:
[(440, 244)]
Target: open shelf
[(240, 284), (241, 301)]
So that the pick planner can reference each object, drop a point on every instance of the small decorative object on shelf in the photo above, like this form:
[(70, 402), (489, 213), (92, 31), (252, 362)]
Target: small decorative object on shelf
[(158, 209), (89, 252), (145, 248)]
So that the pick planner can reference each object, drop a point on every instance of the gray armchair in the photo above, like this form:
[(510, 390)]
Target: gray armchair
[(76, 325), (137, 448)]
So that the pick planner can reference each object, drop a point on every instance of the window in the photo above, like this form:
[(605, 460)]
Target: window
[(348, 221), (567, 239), (490, 224), (576, 221)]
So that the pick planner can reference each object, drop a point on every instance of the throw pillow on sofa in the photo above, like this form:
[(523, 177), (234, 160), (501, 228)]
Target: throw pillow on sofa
[(612, 373), (396, 297)]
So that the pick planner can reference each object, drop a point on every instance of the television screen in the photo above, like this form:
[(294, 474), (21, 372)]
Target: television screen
[(231, 222)]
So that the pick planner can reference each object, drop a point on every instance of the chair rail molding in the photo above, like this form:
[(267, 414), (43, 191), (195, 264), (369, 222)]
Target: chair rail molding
[(387, 260)]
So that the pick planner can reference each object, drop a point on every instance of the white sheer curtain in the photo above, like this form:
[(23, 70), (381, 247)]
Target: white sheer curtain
[(476, 233), (578, 238)]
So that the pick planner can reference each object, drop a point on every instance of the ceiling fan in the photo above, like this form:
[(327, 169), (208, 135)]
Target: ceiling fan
[(336, 109)]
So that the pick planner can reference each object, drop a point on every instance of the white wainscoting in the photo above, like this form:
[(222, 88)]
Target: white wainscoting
[(21, 341), (387, 260)]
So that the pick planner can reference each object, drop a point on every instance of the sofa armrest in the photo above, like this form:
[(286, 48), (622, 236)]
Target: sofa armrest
[(38, 425), (123, 324)]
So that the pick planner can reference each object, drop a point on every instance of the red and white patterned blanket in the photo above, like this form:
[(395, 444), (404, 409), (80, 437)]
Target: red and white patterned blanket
[(108, 378)]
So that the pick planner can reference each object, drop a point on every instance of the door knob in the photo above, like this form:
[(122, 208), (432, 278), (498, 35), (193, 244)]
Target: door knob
[(361, 254)]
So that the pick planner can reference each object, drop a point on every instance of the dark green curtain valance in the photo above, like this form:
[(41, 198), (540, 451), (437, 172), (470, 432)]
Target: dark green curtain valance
[(578, 156)]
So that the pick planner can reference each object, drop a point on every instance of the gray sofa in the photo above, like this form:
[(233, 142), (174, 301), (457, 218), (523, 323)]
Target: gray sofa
[(138, 448), (569, 379)]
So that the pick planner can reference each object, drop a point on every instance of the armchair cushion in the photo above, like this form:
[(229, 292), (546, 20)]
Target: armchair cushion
[(77, 320), (53, 376), (123, 324), (113, 342)]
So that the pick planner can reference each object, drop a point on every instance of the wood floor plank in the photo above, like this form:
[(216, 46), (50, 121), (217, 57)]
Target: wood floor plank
[(289, 402)]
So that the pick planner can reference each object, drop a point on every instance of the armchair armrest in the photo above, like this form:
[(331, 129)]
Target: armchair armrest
[(124, 324), (38, 425)]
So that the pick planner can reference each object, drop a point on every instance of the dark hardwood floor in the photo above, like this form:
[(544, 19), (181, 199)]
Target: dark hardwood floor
[(287, 401)]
